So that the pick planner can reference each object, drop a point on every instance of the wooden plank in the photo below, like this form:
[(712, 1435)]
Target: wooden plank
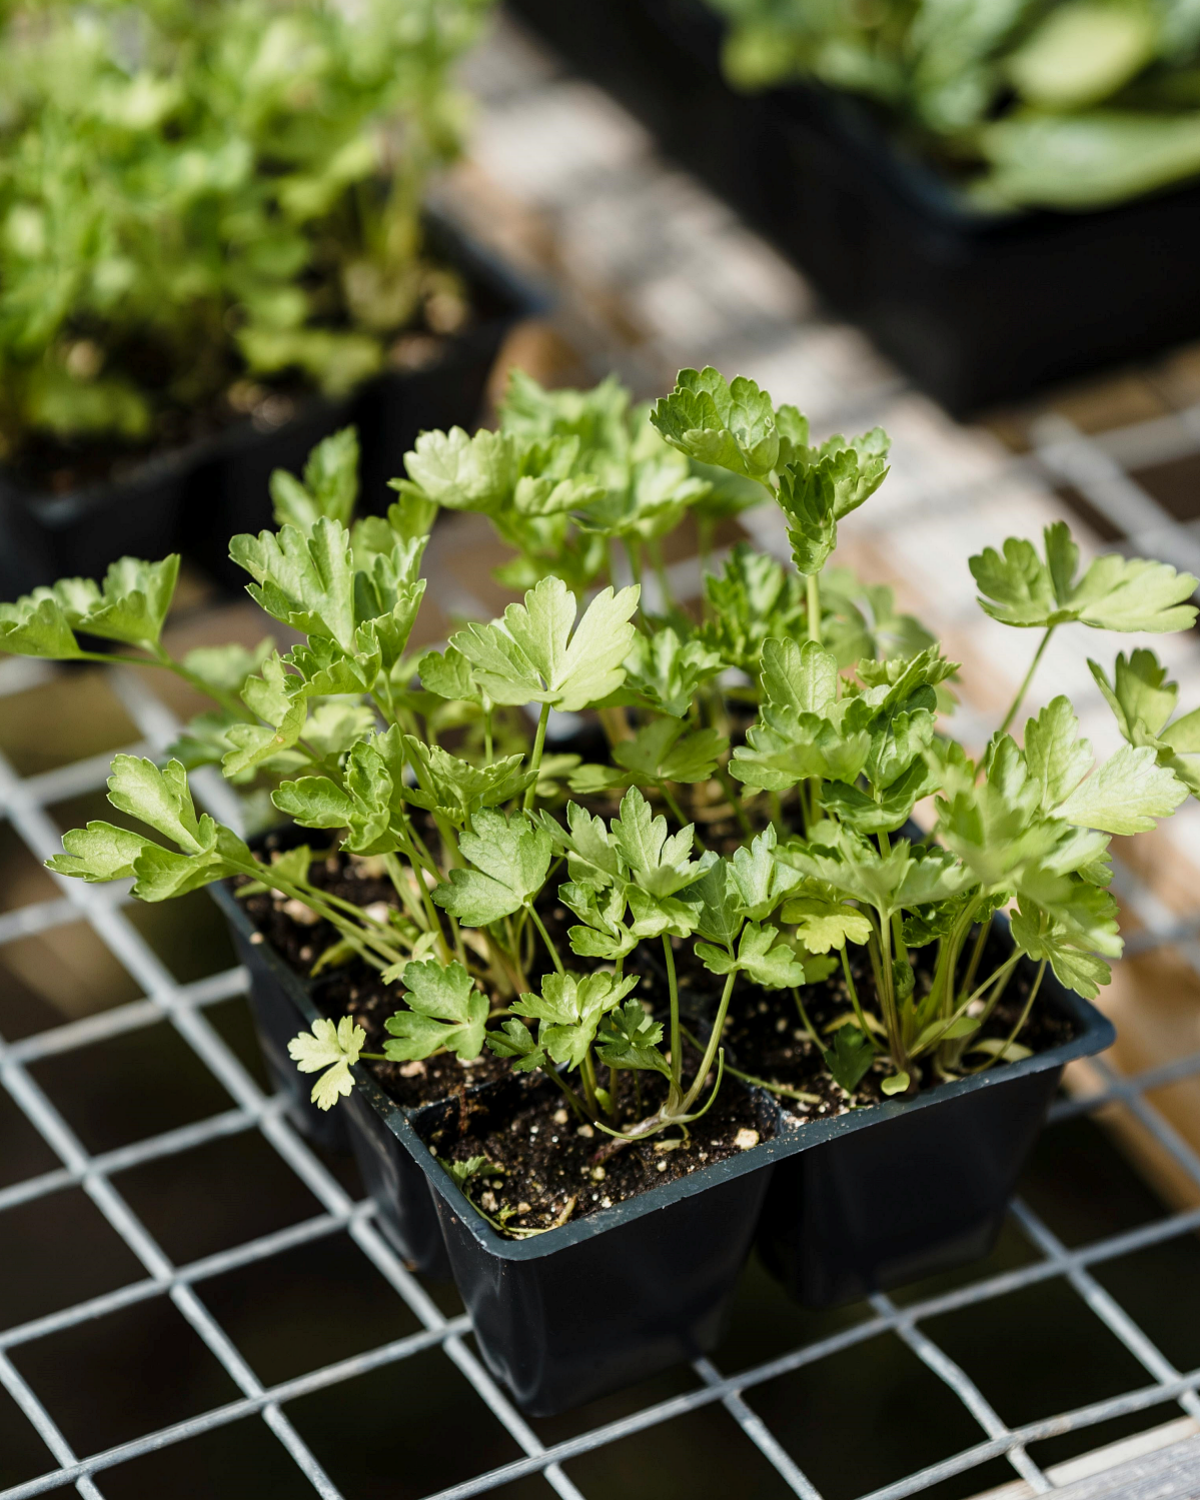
[(1170, 1474)]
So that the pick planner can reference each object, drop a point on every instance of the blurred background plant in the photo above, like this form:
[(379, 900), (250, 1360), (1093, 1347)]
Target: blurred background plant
[(1066, 104), (198, 195)]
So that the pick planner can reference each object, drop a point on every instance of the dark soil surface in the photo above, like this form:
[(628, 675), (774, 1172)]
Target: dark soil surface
[(769, 1039), (552, 1168)]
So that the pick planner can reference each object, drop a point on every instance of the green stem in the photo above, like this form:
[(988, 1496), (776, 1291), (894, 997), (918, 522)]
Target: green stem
[(710, 1052), (633, 551), (735, 801), (887, 997), (654, 548), (1016, 1031), (163, 658), (587, 1074), (677, 813), (999, 977), (976, 955), (535, 761), (807, 1024), (1024, 688), (854, 1000), (404, 890), (705, 530), (572, 1097), (762, 1083), (676, 1057), (487, 735), (812, 594), (547, 939)]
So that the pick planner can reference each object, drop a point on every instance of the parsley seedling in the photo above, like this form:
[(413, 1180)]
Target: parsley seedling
[(752, 817)]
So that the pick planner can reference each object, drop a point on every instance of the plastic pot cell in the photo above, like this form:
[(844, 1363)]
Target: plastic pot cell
[(195, 498), (567, 1316), (976, 307), (905, 1189), (839, 1207), (283, 1004)]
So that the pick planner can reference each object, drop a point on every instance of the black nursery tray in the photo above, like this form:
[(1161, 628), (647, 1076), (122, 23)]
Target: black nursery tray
[(195, 498), (840, 1206), (977, 308)]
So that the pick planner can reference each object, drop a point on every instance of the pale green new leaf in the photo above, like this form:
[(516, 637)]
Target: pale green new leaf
[(731, 425), (593, 855), (1125, 794), (761, 879), (824, 924), (461, 472), (330, 486), (334, 1048), (662, 751), (225, 668), (1139, 692), (161, 799), (1036, 933), (454, 788), (37, 625), (98, 852), (667, 674), (1115, 593), (277, 696), (534, 656), (303, 578)]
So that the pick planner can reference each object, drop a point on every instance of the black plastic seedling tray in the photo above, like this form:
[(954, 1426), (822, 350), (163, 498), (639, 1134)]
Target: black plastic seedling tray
[(978, 308), (840, 1207), (197, 497)]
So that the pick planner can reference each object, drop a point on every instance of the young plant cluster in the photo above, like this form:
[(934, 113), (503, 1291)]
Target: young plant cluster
[(195, 199), (1068, 104), (752, 815)]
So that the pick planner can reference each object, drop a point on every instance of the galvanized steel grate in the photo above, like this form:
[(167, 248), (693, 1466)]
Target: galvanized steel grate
[(24, 803), (1099, 468)]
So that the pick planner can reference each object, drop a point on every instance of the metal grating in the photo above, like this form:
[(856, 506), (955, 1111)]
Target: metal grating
[(738, 323), (24, 802)]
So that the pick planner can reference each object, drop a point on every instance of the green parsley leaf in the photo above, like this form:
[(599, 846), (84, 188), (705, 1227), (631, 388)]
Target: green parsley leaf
[(511, 859), (660, 866), (514, 1040), (446, 1013), (1122, 796), (732, 425), (822, 924), (569, 1010), (763, 955), (629, 1038), (330, 486), (1115, 593), (667, 674)]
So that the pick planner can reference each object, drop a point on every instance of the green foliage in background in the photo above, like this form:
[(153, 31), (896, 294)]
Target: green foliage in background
[(196, 190), (1066, 104)]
